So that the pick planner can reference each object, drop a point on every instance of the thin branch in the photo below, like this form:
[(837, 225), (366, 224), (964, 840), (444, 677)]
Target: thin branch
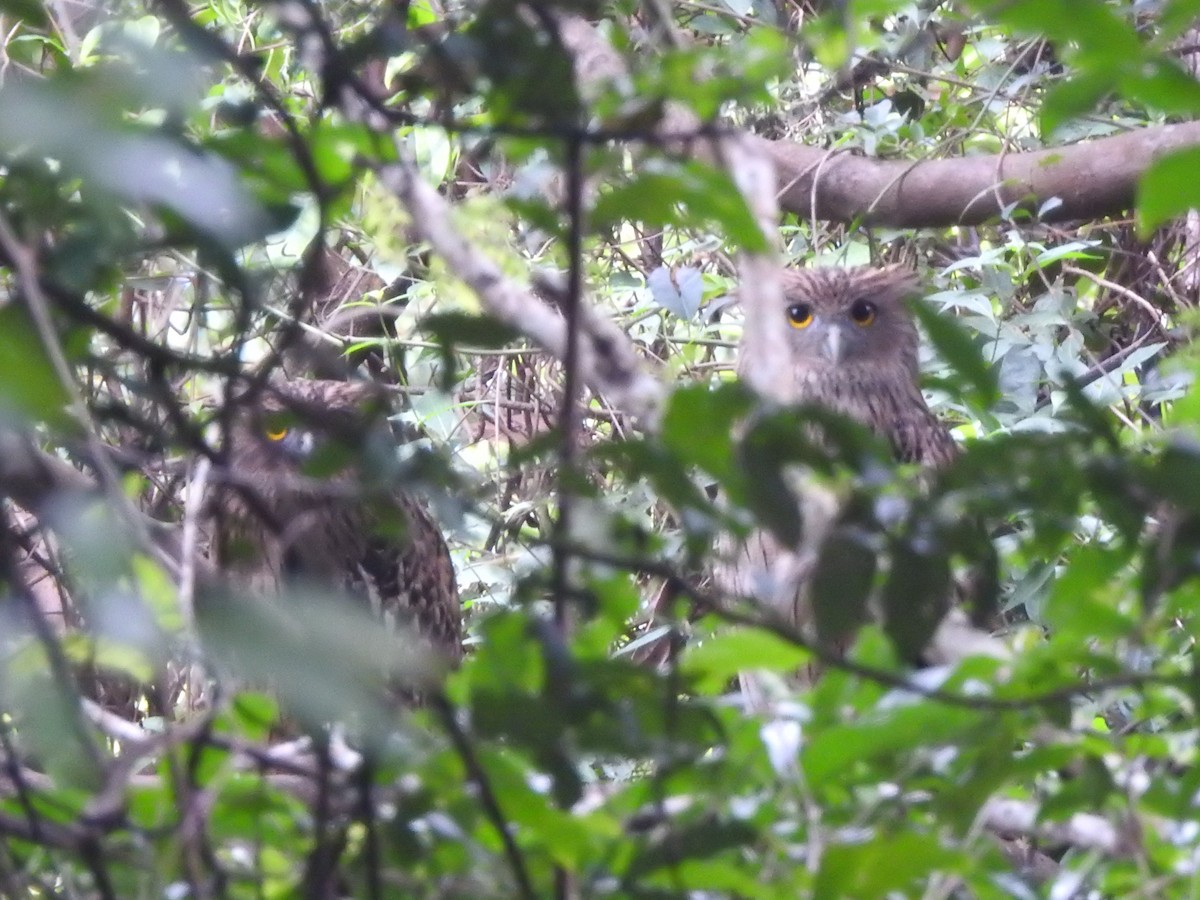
[(487, 797), (568, 420)]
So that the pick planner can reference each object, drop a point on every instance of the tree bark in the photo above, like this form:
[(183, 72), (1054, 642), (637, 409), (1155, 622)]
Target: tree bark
[(1091, 179)]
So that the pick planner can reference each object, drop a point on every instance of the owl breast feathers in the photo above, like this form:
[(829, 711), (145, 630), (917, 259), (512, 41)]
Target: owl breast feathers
[(853, 350), (308, 500)]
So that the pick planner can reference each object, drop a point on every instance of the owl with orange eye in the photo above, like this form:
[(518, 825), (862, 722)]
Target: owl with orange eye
[(854, 351), (306, 499)]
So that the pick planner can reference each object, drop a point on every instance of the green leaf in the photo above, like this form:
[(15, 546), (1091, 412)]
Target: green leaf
[(1162, 84), (885, 864), (698, 425), (31, 12), (137, 164), (53, 728), (30, 388), (529, 75), (842, 583), (1168, 189), (836, 753), (1081, 601), (917, 594), (766, 492), (252, 714), (568, 838), (455, 329), (684, 194), (1175, 475), (325, 656), (957, 346), (1092, 24), (714, 662), (1177, 16), (694, 841)]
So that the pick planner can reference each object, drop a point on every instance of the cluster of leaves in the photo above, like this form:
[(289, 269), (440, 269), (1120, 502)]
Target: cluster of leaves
[(187, 193)]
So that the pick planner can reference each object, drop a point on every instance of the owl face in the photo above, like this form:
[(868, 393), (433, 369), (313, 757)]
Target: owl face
[(322, 423), (850, 318), (289, 440)]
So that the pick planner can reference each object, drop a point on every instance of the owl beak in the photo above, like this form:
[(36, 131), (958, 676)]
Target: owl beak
[(299, 443), (833, 344)]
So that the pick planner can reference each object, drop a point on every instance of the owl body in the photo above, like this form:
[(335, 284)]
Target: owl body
[(853, 350), (279, 524)]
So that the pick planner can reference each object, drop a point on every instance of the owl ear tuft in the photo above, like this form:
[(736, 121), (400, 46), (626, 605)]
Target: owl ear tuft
[(898, 281)]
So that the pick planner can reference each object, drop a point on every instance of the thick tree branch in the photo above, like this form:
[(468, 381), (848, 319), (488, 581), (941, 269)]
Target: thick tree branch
[(1092, 179)]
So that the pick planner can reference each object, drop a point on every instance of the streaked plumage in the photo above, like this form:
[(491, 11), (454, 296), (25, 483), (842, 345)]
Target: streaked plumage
[(277, 525), (874, 377)]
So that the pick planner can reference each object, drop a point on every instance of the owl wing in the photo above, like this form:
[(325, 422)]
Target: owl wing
[(898, 414), (411, 579), (918, 436)]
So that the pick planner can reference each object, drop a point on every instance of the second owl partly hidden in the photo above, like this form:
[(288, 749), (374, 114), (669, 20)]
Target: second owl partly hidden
[(279, 520)]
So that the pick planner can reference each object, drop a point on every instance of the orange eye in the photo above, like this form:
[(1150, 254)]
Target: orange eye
[(800, 315), (862, 312), (275, 434)]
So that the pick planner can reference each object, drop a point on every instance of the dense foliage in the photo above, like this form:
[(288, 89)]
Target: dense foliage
[(195, 197)]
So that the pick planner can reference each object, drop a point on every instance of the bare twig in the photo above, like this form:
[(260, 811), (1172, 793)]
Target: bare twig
[(1089, 832), (487, 797)]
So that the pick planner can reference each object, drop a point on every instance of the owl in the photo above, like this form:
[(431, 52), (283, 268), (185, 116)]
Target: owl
[(301, 506), (853, 350)]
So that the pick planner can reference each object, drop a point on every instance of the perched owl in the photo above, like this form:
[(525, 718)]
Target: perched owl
[(853, 350), (301, 507)]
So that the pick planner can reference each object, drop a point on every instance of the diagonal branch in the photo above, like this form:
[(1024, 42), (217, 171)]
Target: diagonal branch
[(607, 361)]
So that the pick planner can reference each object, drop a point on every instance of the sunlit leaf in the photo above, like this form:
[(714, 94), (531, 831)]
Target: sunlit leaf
[(718, 659), (1168, 188)]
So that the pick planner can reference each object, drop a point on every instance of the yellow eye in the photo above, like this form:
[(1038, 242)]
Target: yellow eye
[(276, 434), (800, 315), (862, 312)]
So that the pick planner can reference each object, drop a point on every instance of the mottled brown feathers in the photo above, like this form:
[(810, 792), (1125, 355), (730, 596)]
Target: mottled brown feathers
[(277, 522)]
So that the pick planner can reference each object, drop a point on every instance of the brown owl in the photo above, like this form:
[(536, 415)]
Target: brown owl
[(853, 350), (279, 521)]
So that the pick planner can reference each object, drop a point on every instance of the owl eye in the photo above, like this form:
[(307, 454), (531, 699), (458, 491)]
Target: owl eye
[(800, 315), (862, 312), (276, 434)]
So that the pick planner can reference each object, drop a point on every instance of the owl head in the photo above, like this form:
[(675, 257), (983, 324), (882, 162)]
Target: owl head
[(294, 423), (851, 319)]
